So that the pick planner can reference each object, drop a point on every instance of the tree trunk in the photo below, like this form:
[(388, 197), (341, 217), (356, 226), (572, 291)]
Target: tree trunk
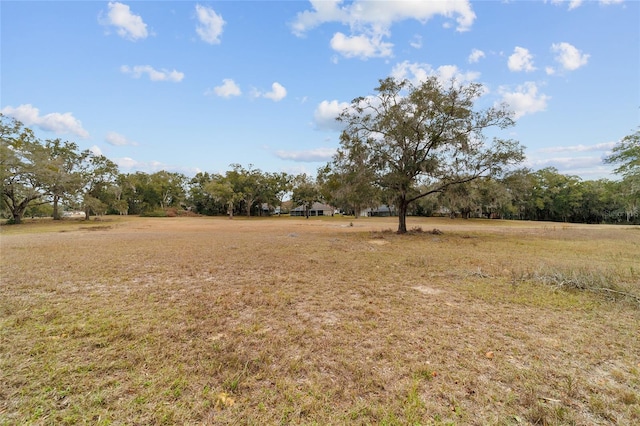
[(402, 216), (56, 214), (230, 210), (17, 218), (87, 213), (17, 210)]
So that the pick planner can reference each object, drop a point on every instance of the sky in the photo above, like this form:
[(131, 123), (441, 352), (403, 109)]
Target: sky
[(193, 87)]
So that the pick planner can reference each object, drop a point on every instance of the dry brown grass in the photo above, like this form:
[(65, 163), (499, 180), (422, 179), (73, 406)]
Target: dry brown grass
[(294, 321)]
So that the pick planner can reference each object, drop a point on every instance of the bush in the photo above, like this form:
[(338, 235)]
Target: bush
[(154, 213)]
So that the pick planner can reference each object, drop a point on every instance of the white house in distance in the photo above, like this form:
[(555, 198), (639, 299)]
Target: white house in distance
[(317, 209), (380, 211), (74, 214)]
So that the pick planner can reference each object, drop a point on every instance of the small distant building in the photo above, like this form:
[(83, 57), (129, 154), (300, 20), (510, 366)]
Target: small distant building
[(380, 211), (317, 209), (74, 214)]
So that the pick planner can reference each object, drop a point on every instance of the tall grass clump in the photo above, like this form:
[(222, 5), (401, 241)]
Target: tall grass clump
[(610, 283)]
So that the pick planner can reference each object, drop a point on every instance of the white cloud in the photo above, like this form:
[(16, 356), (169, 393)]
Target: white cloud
[(521, 60), (370, 21), (277, 93), (154, 75), (325, 115), (565, 162), (116, 139), (446, 73), (568, 56), (360, 46), (525, 99), (52, 122), (323, 11), (590, 167), (574, 4), (361, 14), (605, 146), (127, 24), (313, 155), (416, 42), (129, 164), (417, 73), (226, 90), (95, 149), (210, 24), (475, 56), (326, 112)]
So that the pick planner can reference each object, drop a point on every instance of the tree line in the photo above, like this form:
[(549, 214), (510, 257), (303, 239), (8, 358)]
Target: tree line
[(419, 149)]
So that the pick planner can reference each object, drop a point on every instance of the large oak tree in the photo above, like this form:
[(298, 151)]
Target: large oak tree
[(23, 161), (421, 139)]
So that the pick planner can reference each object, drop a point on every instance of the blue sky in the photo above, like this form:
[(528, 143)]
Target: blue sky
[(195, 86)]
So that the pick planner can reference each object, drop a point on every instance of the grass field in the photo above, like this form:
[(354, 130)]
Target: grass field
[(326, 321)]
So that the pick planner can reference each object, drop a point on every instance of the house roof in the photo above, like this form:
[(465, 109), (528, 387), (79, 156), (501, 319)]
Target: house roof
[(381, 208), (315, 206)]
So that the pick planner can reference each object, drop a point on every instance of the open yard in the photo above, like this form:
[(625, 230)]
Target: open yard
[(325, 321)]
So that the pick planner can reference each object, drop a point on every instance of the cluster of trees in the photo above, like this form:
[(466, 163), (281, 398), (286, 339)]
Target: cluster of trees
[(42, 176), (544, 194), (422, 149), (34, 172), (419, 148)]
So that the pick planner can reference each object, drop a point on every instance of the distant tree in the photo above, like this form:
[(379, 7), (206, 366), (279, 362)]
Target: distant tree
[(595, 202), (558, 197), (626, 154), (247, 182), (347, 181), (305, 193), (221, 189), (494, 199), (61, 172), (461, 198), (629, 197), (425, 136), (99, 176), (130, 185), (22, 159), (199, 199), (520, 185), (169, 188), (275, 187)]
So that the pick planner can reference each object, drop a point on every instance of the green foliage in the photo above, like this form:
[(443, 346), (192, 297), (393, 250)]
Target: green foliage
[(221, 189), (99, 178), (145, 192), (305, 193), (199, 199), (240, 189), (549, 195), (248, 184), (398, 148), (627, 155), (23, 168), (154, 213), (413, 141), (39, 210)]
